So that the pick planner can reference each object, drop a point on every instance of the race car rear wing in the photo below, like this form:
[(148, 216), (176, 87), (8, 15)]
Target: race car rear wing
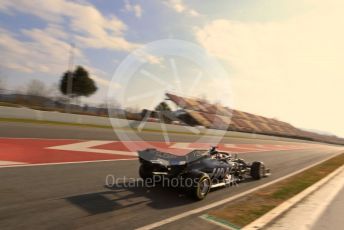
[(163, 158), (157, 157)]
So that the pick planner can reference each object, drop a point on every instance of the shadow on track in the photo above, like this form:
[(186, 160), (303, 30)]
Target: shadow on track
[(117, 197), (120, 196)]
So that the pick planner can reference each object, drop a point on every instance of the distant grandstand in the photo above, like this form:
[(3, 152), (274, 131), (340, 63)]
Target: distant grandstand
[(201, 112)]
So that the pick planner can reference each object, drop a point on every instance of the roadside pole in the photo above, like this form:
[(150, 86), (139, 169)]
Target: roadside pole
[(70, 77)]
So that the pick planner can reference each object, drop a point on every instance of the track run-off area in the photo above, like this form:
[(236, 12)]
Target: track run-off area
[(19, 152), (54, 176)]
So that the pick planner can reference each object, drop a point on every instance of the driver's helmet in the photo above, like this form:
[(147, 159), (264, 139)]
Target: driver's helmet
[(212, 150)]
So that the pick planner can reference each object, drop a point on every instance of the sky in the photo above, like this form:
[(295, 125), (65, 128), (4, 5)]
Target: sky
[(283, 59)]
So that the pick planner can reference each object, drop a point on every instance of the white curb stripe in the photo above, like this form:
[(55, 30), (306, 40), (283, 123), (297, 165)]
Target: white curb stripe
[(87, 146), (63, 163), (6, 163)]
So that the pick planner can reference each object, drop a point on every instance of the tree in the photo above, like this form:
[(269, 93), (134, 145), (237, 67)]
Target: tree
[(163, 106), (36, 88), (82, 84)]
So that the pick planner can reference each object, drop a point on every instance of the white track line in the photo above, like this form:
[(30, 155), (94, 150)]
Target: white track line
[(87, 146), (221, 202), (64, 163)]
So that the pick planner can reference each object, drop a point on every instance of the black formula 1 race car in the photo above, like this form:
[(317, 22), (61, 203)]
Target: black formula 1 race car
[(199, 170)]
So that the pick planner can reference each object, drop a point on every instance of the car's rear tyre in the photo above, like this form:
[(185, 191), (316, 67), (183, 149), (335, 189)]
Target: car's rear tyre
[(257, 170), (201, 186), (145, 172)]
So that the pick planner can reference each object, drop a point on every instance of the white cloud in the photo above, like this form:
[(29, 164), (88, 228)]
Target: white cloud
[(135, 8), (180, 7), (104, 82), (193, 13), (100, 77), (4, 4), (292, 69), (47, 50), (43, 52), (147, 57), (92, 28)]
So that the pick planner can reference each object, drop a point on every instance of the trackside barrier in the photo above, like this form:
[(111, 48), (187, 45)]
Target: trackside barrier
[(31, 114)]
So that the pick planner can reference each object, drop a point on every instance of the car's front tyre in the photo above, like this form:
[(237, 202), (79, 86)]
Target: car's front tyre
[(257, 170)]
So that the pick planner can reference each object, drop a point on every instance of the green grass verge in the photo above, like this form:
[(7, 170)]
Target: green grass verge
[(87, 125), (52, 123), (96, 126), (252, 206), (8, 104), (249, 135), (119, 129)]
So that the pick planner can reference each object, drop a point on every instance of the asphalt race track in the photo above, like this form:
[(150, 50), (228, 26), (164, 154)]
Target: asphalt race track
[(69, 196)]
